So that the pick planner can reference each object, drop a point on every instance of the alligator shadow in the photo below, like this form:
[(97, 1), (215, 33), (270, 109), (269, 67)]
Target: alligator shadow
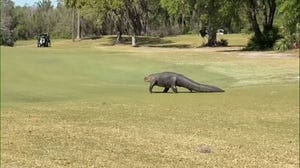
[(141, 41), (183, 92)]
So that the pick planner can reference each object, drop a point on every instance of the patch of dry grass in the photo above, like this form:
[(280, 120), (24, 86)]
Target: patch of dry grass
[(239, 130)]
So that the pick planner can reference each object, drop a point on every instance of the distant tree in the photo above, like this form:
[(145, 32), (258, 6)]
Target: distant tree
[(117, 18), (209, 15), (134, 15), (63, 18), (8, 23), (218, 14), (129, 10), (76, 5), (155, 17), (93, 15), (181, 10), (44, 5), (24, 23), (232, 17), (42, 22)]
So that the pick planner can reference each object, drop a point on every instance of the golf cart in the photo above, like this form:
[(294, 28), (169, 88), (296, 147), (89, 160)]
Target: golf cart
[(44, 40)]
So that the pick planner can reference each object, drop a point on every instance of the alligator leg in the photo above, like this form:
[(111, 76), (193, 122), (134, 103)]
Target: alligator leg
[(174, 89), (151, 87), (173, 85), (166, 89)]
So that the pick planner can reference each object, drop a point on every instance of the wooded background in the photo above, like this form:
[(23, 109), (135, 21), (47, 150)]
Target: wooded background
[(269, 21)]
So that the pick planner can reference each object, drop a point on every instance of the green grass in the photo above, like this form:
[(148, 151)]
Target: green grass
[(85, 104)]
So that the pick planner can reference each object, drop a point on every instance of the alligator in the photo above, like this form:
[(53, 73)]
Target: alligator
[(171, 80)]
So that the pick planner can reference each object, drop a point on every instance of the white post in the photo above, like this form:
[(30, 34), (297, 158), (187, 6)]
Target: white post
[(133, 40)]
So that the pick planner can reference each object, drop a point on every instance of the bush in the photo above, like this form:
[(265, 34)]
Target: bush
[(7, 38), (265, 41), (290, 40), (222, 42), (284, 44)]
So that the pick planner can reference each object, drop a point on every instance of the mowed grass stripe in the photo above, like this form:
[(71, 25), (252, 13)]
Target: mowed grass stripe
[(37, 72)]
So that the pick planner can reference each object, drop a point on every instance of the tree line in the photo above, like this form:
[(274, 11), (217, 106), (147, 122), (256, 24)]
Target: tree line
[(269, 21)]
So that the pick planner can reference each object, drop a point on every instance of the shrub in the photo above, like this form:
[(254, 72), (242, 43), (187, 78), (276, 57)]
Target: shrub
[(7, 38), (265, 41), (290, 40), (222, 42), (284, 44)]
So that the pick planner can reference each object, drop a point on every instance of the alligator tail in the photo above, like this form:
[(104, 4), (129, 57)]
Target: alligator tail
[(195, 86), (205, 88), (192, 85)]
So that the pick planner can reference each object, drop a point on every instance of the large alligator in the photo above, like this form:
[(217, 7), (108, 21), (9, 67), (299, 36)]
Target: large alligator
[(171, 80)]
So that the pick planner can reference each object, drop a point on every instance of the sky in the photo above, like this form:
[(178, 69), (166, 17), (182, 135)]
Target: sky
[(29, 2)]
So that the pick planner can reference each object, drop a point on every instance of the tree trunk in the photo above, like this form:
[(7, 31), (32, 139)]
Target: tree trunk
[(212, 23), (252, 10), (269, 12), (262, 38), (73, 24), (78, 24), (119, 27), (134, 19), (119, 37), (212, 37)]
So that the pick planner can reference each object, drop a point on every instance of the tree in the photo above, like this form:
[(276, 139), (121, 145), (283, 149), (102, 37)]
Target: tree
[(290, 15), (8, 23), (93, 13), (231, 16), (209, 15), (133, 14), (63, 18), (124, 11), (76, 5), (265, 38), (118, 16), (213, 7), (42, 22), (218, 14), (25, 28), (182, 10)]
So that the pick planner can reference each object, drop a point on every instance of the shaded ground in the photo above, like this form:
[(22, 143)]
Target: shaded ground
[(180, 41)]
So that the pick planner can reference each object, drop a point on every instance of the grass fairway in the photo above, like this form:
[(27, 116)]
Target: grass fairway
[(85, 104)]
